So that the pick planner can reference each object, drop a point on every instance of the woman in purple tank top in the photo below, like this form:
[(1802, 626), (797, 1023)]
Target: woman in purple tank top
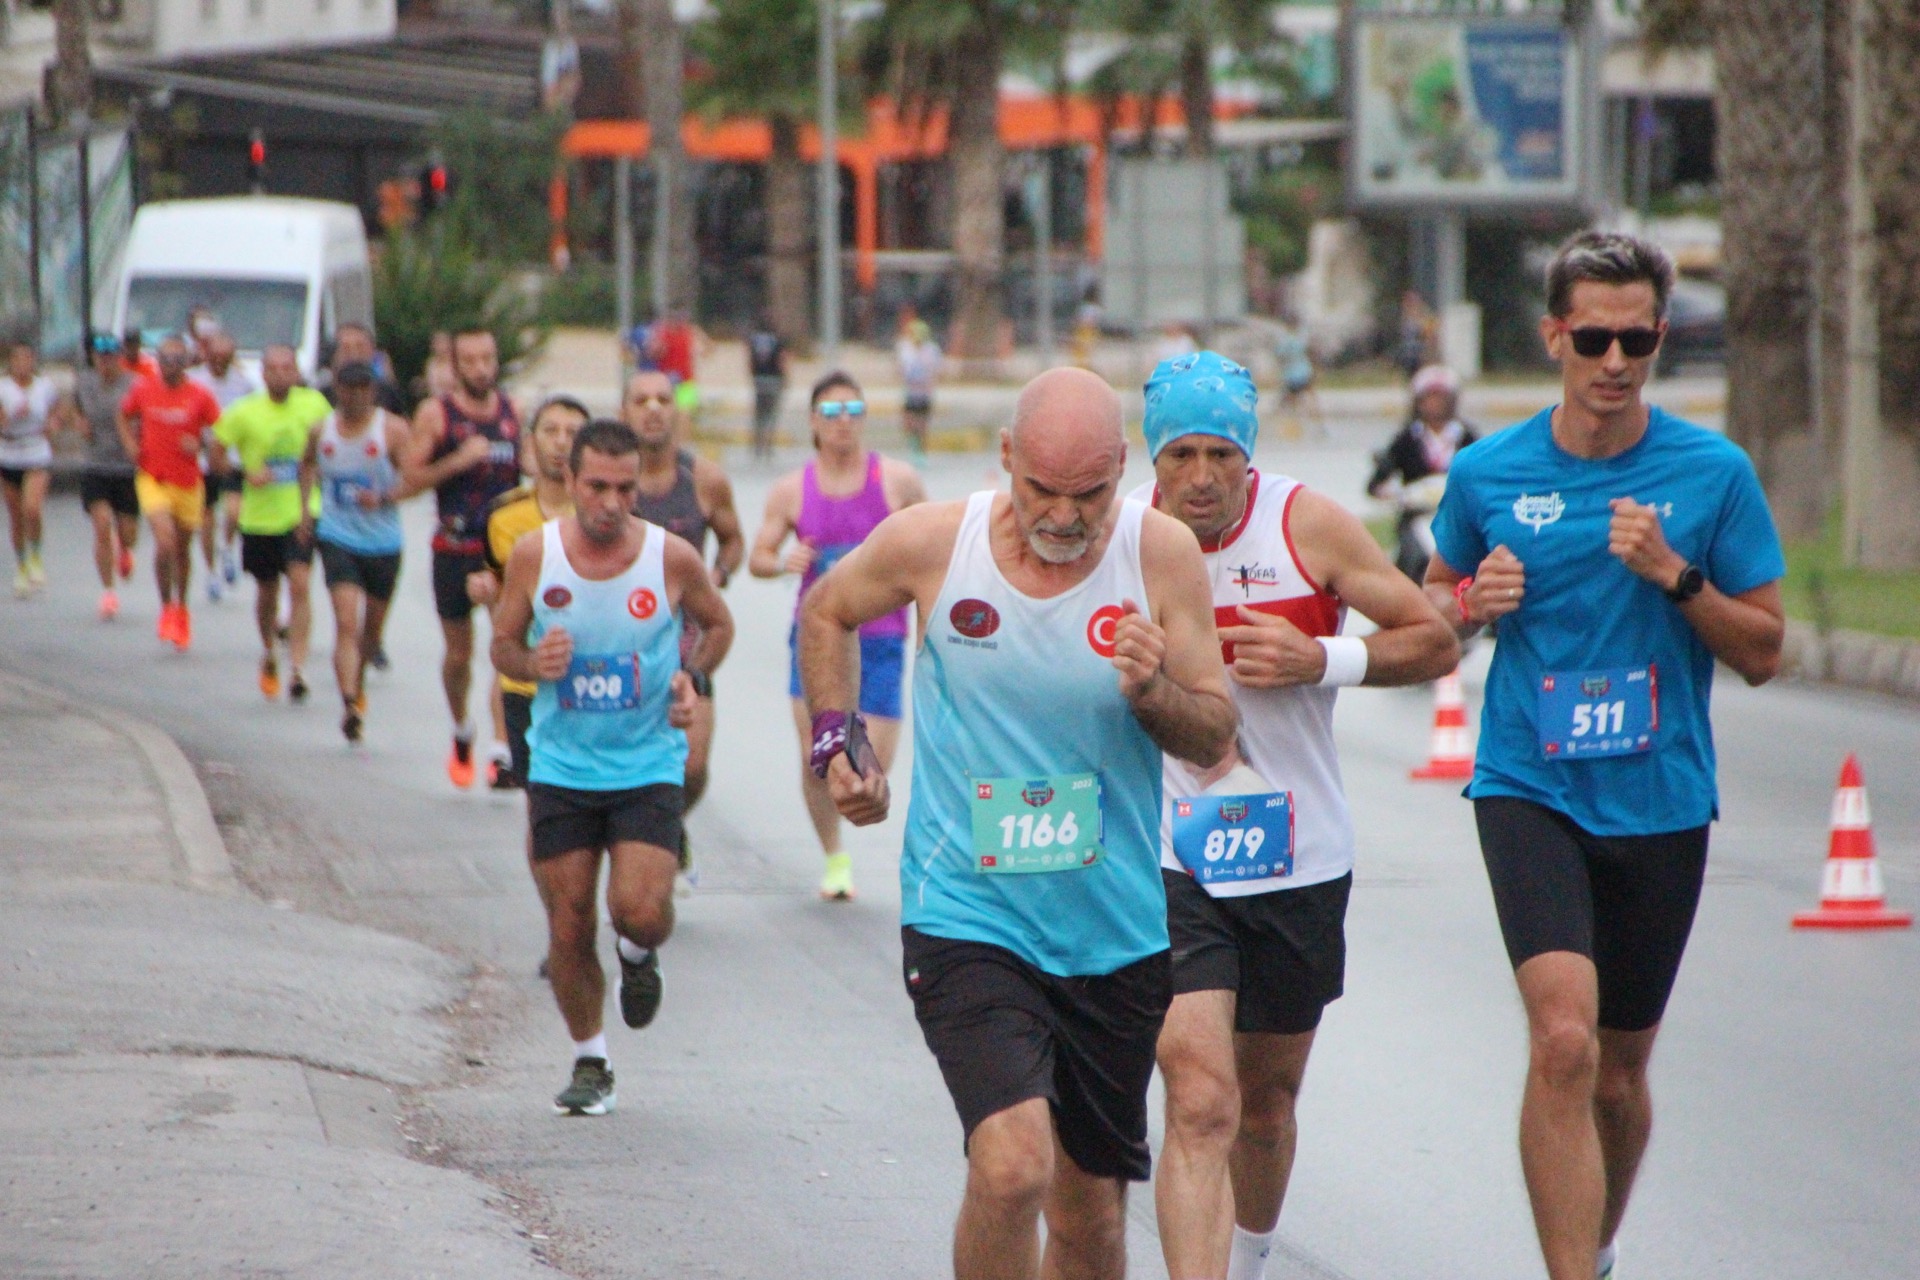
[(828, 508)]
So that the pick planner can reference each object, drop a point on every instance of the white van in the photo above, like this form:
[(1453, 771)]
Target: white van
[(271, 269)]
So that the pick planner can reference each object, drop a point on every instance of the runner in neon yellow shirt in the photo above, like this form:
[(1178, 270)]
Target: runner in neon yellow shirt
[(269, 431)]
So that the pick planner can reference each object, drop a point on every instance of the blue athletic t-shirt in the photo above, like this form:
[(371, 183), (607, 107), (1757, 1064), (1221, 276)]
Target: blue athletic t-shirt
[(1585, 612)]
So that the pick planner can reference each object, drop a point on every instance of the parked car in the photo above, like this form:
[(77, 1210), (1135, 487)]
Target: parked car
[(1696, 327)]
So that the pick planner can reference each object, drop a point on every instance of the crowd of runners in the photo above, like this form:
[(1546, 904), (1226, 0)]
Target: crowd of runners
[(1128, 844)]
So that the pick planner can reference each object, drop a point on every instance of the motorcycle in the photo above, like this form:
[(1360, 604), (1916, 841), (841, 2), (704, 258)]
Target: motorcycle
[(1417, 502)]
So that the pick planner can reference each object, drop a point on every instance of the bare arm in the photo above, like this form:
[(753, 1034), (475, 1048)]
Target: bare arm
[(1497, 587), (1414, 642), (129, 428), (716, 492), (418, 470), (902, 483), (783, 509), (512, 657), (700, 604), (1169, 664)]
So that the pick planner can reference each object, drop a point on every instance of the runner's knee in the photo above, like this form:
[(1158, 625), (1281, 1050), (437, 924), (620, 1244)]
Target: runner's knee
[(1008, 1166), (1203, 1097), (1565, 1051)]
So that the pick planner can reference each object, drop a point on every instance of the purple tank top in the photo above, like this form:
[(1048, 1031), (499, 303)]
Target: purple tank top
[(835, 526)]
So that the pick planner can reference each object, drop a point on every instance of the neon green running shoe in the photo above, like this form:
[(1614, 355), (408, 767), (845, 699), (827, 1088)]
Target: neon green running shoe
[(837, 884)]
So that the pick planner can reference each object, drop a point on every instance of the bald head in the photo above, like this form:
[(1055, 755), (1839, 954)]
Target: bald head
[(1068, 413), (1065, 452)]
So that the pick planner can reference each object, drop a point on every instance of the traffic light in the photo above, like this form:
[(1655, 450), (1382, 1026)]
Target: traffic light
[(257, 162), (433, 183)]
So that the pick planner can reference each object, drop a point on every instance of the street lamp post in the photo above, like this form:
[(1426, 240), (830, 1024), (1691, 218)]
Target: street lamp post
[(829, 183)]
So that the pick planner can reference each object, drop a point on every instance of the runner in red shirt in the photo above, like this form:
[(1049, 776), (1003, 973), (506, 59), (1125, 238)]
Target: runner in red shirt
[(162, 421)]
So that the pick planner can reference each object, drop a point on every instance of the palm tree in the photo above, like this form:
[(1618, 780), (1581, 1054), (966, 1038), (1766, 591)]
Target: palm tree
[(651, 66), (757, 59), (1893, 178), (1174, 41), (70, 88), (932, 53)]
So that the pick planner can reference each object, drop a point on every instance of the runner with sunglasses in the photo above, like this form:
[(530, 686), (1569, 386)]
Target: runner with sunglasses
[(829, 507), (1619, 551)]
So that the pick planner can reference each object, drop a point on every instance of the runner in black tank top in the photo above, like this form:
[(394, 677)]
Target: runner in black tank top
[(466, 448), (688, 496)]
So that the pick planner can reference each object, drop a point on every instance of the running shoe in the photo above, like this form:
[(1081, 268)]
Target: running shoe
[(36, 570), (501, 777), (182, 628), (297, 688), (460, 764), (230, 564), (837, 884), (590, 1093), (378, 660), (269, 678), (125, 563), (216, 591), (165, 629), (350, 723), (22, 584), (640, 989), (109, 605)]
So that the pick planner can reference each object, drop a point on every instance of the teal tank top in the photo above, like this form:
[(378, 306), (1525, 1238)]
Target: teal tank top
[(1035, 817), (603, 726)]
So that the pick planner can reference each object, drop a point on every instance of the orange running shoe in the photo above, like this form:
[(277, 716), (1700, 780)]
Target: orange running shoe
[(182, 628), (109, 606), (460, 764), (269, 678), (165, 629)]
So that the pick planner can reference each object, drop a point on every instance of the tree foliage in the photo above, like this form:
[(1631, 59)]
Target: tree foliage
[(430, 280), (498, 173)]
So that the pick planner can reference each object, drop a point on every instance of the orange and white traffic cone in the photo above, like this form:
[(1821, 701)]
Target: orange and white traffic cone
[(1450, 757), (1850, 893)]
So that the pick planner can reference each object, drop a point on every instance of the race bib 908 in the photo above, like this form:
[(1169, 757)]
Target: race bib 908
[(600, 682)]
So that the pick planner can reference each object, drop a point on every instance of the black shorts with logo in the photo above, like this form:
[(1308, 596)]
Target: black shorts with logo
[(1004, 1032), (1624, 902), (1284, 953), (265, 556), (563, 819), (377, 575), (450, 570), (117, 492)]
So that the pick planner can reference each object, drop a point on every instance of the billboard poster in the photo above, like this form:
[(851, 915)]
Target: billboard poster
[(1465, 112)]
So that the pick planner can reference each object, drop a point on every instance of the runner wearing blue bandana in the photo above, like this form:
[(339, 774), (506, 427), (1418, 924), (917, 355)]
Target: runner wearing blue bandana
[(1618, 551), (1257, 853)]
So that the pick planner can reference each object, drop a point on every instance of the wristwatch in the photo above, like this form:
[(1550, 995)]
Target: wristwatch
[(1689, 584)]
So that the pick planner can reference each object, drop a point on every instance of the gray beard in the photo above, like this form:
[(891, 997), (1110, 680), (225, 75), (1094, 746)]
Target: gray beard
[(1054, 553)]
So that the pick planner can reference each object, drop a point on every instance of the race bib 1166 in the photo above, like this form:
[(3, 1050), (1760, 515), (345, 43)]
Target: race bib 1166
[(1584, 715), (1023, 825)]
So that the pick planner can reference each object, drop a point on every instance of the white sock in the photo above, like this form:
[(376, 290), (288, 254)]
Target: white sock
[(498, 752), (1604, 1263), (594, 1048), (631, 951), (1248, 1261), (463, 732)]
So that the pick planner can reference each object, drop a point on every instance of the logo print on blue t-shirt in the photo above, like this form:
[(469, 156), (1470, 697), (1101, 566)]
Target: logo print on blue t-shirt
[(1538, 509)]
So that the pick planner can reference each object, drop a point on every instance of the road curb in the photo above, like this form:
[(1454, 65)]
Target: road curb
[(1855, 659), (196, 836)]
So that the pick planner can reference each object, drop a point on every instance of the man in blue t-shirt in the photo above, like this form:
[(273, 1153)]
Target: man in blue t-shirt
[(1620, 551)]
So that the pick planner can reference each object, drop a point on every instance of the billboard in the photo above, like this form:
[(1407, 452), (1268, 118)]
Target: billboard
[(1463, 111)]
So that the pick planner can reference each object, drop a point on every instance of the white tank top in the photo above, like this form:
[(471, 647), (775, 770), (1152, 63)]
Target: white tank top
[(1286, 735)]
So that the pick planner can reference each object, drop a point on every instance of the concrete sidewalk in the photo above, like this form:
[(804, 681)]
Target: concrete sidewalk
[(192, 1082)]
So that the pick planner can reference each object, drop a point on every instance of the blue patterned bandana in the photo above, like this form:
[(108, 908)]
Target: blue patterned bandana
[(1202, 393)]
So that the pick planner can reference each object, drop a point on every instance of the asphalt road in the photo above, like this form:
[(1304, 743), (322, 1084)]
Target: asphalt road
[(783, 1117)]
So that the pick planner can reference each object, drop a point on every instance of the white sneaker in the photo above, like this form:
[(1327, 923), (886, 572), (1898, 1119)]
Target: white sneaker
[(216, 591)]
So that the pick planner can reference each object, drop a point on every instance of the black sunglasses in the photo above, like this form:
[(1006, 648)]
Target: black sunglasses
[(1635, 344)]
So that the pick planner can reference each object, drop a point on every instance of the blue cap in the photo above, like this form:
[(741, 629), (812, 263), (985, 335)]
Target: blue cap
[(1201, 393)]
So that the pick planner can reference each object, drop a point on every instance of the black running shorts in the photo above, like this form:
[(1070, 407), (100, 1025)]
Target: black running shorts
[(1004, 1031), (1624, 902), (1284, 953), (563, 819), (265, 556), (518, 711), (116, 491), (376, 575), (450, 570)]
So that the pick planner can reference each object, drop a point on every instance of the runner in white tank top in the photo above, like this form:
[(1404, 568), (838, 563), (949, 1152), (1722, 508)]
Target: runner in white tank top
[(1258, 859)]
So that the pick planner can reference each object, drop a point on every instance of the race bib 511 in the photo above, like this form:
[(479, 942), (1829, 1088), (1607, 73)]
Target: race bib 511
[(1588, 714)]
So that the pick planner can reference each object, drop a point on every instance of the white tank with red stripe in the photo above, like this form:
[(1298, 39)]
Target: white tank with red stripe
[(1286, 735)]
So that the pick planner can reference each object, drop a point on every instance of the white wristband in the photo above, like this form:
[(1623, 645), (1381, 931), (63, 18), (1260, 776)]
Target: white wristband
[(1346, 661)]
